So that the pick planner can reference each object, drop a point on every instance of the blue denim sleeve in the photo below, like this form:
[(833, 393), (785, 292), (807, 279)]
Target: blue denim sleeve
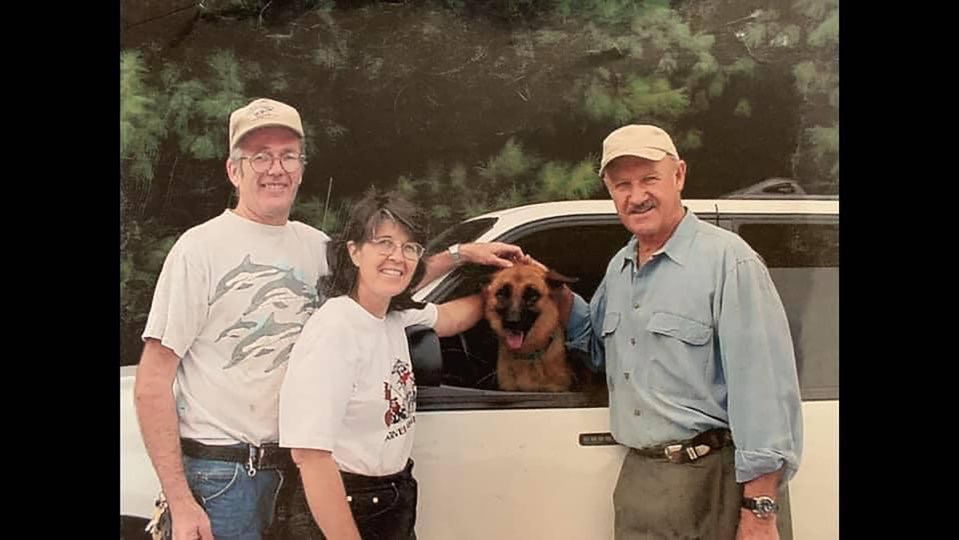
[(585, 325), (764, 403)]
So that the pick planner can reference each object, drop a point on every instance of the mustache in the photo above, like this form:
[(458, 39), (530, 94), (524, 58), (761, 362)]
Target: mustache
[(642, 207)]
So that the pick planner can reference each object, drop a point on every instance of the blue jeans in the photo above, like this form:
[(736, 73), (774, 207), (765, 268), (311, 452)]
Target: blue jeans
[(240, 507)]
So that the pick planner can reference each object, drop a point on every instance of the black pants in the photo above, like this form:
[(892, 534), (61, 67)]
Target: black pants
[(383, 507)]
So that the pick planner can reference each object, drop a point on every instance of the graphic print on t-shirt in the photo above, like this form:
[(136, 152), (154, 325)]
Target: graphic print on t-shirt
[(279, 305), (399, 393)]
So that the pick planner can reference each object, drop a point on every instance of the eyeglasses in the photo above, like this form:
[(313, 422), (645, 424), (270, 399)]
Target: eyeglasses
[(386, 246), (263, 161)]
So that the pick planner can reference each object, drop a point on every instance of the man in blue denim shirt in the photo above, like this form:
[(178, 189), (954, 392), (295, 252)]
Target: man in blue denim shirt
[(699, 361)]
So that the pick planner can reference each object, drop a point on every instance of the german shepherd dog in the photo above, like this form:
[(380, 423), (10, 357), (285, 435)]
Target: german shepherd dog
[(532, 350)]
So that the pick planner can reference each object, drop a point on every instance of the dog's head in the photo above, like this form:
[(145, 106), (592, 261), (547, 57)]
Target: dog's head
[(519, 307)]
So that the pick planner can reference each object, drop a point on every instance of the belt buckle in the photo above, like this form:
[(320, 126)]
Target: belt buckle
[(673, 453), (677, 453)]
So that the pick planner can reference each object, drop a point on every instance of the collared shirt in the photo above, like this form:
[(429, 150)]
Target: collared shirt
[(695, 339)]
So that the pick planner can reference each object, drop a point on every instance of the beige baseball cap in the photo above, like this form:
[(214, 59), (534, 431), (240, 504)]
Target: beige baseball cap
[(645, 141), (262, 113)]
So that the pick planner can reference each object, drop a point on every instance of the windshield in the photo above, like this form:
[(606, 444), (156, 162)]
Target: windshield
[(462, 233)]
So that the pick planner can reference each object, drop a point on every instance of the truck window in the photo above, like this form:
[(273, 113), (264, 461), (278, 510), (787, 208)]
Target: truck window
[(803, 260)]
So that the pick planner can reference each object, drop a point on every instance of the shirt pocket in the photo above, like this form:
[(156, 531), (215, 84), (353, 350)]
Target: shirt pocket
[(689, 331), (680, 355)]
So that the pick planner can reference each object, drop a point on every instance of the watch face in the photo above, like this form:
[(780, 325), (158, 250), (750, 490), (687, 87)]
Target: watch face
[(761, 506)]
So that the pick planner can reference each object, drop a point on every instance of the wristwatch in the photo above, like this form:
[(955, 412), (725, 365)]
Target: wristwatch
[(455, 252), (762, 506)]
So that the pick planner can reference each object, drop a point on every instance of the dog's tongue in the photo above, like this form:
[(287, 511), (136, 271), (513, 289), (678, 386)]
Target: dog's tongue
[(514, 340)]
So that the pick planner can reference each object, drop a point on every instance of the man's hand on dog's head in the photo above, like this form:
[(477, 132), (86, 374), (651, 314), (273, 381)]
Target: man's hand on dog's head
[(496, 254)]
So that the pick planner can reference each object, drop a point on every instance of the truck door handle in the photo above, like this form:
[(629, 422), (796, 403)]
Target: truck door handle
[(597, 439)]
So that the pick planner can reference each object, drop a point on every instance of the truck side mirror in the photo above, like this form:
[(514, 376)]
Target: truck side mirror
[(425, 355)]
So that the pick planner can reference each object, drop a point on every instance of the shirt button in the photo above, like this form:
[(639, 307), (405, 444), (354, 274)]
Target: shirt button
[(636, 305), (635, 412), (626, 375), (632, 341)]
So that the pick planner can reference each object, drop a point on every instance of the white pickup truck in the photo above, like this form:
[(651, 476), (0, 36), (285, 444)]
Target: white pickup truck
[(514, 465)]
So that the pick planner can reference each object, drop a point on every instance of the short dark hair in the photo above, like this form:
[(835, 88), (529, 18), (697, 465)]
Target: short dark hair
[(365, 216)]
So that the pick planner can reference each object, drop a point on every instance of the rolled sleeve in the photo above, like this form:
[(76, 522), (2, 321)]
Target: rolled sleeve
[(764, 403)]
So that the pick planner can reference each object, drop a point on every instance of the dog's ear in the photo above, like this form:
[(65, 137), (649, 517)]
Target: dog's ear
[(555, 280)]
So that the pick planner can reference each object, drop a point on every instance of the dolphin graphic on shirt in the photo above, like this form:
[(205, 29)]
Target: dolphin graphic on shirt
[(281, 291), (240, 325), (242, 277), (309, 307), (281, 358), (271, 335)]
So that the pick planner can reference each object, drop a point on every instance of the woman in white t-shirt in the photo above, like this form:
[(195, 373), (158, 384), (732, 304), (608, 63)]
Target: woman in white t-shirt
[(348, 401)]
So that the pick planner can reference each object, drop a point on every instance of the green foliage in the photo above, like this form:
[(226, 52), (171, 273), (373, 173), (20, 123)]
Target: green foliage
[(827, 33), (324, 5), (744, 67), (458, 178), (510, 198), (661, 63), (441, 212), (690, 140), (406, 186), (601, 11), (141, 127), (815, 9), (717, 86), (641, 97), (817, 81), (510, 163), (313, 211), (825, 140), (143, 248), (197, 108), (561, 181), (509, 178), (815, 78), (755, 35)]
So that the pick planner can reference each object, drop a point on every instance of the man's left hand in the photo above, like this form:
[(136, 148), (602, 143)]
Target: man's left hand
[(753, 528), (491, 253)]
